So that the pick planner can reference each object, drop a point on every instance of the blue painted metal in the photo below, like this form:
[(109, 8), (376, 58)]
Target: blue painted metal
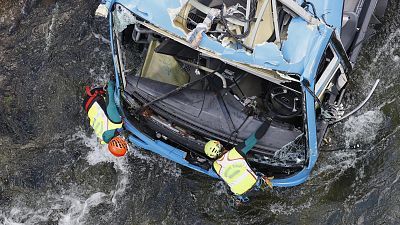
[(267, 55), (300, 42), (309, 74), (157, 13), (330, 11), (109, 4), (300, 54)]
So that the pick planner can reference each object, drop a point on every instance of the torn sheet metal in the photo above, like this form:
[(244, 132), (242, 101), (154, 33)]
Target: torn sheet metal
[(266, 56), (330, 12), (122, 18), (301, 40), (195, 36)]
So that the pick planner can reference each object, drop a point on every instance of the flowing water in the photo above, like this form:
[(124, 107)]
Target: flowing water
[(53, 171)]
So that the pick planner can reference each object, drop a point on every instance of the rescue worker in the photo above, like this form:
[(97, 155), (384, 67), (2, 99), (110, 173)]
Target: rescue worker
[(233, 168), (104, 117)]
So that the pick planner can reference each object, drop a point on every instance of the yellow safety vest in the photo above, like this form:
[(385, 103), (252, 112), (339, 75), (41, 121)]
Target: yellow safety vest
[(100, 122), (235, 171)]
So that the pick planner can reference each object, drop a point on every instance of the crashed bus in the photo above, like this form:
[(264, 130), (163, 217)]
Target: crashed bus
[(190, 71)]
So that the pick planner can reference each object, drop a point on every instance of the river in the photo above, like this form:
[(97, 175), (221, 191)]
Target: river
[(53, 171)]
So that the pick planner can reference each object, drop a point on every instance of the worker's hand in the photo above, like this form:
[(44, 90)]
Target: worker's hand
[(238, 200), (267, 181)]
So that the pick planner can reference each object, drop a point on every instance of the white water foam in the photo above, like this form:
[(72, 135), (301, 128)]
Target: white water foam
[(79, 209), (384, 54), (220, 188), (70, 207), (100, 154), (51, 30), (358, 131), (28, 216), (391, 45), (363, 128), (284, 209)]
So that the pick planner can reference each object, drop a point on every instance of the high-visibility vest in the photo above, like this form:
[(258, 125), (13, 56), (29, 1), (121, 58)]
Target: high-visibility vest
[(235, 171), (95, 106), (100, 122)]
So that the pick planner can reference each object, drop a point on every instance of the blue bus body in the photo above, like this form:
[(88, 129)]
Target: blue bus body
[(302, 61)]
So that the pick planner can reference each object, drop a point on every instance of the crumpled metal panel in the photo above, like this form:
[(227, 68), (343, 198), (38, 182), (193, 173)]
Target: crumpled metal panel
[(330, 10), (301, 36), (122, 19), (301, 40)]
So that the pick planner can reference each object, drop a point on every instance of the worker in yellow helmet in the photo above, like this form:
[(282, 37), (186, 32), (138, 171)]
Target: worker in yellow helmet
[(233, 168)]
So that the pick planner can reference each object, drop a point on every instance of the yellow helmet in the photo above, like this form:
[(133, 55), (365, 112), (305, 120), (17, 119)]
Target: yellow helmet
[(213, 149)]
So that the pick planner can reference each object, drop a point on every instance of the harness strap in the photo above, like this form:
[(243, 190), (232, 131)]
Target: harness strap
[(92, 96), (87, 89)]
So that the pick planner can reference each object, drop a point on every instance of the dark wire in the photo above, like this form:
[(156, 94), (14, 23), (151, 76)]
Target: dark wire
[(226, 108), (306, 85), (306, 4), (236, 131), (237, 85), (247, 31), (229, 115)]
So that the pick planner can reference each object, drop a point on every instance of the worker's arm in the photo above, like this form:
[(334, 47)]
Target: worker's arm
[(112, 111), (249, 143), (109, 134)]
